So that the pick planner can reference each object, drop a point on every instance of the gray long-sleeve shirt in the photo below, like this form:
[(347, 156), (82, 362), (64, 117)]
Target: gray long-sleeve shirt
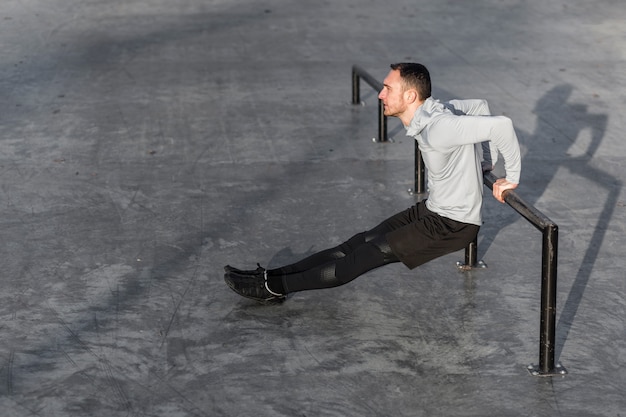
[(449, 136)]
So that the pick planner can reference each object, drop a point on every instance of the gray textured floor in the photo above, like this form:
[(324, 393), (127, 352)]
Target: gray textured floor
[(145, 144)]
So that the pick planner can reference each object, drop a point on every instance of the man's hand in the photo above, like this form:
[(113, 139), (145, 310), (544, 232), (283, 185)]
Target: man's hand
[(500, 186)]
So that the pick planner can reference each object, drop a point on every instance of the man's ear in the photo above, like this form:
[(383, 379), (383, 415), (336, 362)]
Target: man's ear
[(411, 96)]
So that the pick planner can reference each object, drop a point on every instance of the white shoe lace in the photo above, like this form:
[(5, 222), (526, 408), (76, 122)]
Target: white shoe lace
[(275, 294)]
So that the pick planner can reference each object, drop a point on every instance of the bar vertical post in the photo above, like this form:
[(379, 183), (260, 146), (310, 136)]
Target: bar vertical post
[(356, 92), (419, 171), (548, 300), (471, 253), (382, 122)]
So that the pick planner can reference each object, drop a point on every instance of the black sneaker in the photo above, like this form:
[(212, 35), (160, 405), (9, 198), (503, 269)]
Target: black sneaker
[(253, 286), (259, 270)]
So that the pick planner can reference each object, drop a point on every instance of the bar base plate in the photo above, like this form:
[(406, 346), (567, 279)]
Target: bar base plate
[(464, 267), (559, 370)]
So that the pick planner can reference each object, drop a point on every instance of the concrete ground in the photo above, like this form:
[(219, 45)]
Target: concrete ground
[(144, 144)]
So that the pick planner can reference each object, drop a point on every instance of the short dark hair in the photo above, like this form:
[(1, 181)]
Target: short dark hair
[(414, 76)]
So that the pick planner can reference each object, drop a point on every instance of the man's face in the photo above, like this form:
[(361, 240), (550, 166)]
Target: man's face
[(392, 95)]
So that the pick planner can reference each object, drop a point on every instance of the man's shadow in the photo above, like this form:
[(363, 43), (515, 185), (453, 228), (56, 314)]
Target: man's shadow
[(556, 138)]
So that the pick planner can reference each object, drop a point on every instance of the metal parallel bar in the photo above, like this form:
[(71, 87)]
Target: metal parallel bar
[(550, 237), (534, 216), (373, 82), (359, 74)]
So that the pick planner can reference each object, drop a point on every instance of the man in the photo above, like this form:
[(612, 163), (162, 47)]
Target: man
[(449, 136)]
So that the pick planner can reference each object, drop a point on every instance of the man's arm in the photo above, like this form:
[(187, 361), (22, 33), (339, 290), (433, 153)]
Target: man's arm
[(477, 107), (501, 135), (498, 130), (472, 107)]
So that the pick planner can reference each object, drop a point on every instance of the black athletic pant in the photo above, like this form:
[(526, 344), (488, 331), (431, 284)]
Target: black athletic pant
[(413, 237)]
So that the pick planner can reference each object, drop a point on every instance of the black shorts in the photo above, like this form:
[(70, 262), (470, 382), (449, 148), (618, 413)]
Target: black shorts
[(417, 235)]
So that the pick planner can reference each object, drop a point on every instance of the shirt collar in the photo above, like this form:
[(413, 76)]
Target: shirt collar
[(424, 114)]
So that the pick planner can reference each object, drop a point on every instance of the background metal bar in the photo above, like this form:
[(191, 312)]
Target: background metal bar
[(359, 74), (374, 83), (356, 89)]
